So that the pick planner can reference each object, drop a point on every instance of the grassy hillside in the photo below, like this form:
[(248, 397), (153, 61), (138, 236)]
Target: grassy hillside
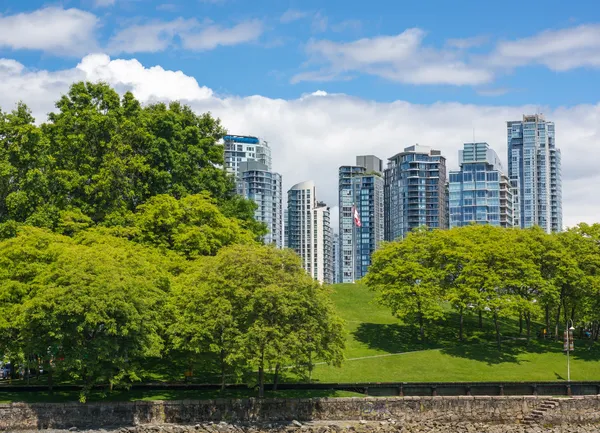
[(391, 351)]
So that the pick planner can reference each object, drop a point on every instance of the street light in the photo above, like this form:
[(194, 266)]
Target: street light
[(568, 334)]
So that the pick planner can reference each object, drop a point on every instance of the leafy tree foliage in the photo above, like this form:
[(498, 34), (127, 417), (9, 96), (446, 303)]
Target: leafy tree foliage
[(193, 226), (255, 306), (89, 307), (100, 156), (498, 272)]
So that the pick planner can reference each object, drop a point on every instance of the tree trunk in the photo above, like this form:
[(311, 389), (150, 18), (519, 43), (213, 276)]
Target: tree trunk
[(421, 328), (27, 363), (547, 321), (557, 322), (50, 381), (528, 322), (480, 319), (497, 326), (222, 358), (261, 375), (573, 314), (276, 378), (462, 322), (520, 323)]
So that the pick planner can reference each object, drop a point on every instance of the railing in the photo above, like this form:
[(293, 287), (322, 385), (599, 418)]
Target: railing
[(382, 389)]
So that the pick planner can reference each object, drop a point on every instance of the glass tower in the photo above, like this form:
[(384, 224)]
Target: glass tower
[(264, 188), (241, 148), (360, 186), (309, 231), (480, 192), (415, 191), (249, 160), (534, 168)]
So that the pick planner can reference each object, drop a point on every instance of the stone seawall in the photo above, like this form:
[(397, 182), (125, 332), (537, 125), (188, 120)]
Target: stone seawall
[(493, 410)]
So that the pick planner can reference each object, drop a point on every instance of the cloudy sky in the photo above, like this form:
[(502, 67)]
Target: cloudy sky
[(323, 81)]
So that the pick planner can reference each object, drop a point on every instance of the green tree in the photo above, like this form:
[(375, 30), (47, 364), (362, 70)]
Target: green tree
[(205, 320), (89, 307), (192, 226), (406, 278), (102, 156), (270, 296)]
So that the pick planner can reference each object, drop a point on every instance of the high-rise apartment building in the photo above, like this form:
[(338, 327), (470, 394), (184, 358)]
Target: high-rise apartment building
[(249, 161), (415, 191), (534, 168), (241, 148), (265, 189), (336, 258), (480, 192), (360, 195), (309, 231)]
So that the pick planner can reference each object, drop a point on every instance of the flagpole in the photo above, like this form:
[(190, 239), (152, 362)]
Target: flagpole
[(352, 215)]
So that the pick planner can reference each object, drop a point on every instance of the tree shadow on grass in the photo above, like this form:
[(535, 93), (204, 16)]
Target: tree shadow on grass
[(392, 338), (510, 350)]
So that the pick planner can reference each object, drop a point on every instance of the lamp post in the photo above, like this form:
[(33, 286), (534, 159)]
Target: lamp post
[(568, 333)]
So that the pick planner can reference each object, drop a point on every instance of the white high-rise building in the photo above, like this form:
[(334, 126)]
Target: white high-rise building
[(249, 161), (534, 168), (309, 231), (242, 148)]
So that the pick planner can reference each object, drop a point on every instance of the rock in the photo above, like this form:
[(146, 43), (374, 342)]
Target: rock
[(362, 421), (297, 423), (73, 429)]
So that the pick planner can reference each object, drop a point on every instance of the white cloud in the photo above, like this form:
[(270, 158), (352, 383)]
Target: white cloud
[(152, 83), (104, 3), (149, 37), (401, 58), (313, 135), (158, 36), (559, 50), (51, 29), (292, 15), (213, 36)]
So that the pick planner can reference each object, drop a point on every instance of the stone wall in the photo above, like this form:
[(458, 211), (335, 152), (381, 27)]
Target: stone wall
[(505, 410)]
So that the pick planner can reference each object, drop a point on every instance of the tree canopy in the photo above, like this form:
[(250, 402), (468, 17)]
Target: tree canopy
[(123, 244), (100, 156), (493, 271)]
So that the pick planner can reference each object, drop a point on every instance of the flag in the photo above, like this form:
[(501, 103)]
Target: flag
[(356, 216)]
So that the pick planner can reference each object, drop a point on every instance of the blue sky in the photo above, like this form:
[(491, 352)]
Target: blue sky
[(274, 48), (326, 81)]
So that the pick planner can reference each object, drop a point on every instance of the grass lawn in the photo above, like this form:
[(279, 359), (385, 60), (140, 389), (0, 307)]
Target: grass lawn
[(380, 348), (373, 332)]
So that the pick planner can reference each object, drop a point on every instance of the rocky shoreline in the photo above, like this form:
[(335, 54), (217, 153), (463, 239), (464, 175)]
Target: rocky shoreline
[(389, 426)]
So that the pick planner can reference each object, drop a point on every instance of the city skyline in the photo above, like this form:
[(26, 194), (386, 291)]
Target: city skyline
[(292, 91)]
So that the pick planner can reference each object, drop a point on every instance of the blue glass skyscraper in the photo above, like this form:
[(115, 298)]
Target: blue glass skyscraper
[(360, 187), (480, 192)]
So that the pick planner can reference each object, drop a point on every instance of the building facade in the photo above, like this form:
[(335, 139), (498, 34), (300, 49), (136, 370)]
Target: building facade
[(241, 148), (309, 231), (248, 159), (415, 191), (360, 187), (265, 189), (534, 168), (336, 258), (480, 192)]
